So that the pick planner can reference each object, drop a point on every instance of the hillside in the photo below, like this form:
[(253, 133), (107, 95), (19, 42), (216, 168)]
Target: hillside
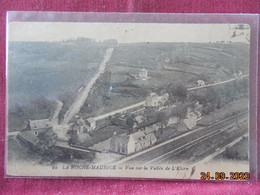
[(211, 62)]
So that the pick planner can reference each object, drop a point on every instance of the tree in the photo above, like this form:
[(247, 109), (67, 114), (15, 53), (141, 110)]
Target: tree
[(73, 139), (181, 111), (47, 139), (198, 96), (130, 120), (162, 118), (47, 147), (178, 91), (211, 95)]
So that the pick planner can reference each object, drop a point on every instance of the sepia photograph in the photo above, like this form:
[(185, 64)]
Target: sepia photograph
[(130, 100)]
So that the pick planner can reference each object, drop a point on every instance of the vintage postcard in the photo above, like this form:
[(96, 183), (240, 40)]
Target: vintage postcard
[(134, 100)]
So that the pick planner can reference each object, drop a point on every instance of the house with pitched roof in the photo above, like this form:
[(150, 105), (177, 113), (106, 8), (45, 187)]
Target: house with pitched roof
[(83, 126), (38, 126), (128, 144), (192, 116), (153, 100)]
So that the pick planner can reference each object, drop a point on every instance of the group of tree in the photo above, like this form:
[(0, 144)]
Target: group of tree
[(212, 97), (47, 145), (215, 97), (177, 92)]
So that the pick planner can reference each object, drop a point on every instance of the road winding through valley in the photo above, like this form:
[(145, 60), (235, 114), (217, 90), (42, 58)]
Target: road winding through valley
[(82, 97)]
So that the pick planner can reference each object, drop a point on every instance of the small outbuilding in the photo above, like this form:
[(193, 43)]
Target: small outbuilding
[(201, 83), (152, 100), (91, 123), (143, 74)]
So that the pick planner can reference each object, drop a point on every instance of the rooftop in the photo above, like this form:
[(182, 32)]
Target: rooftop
[(40, 124)]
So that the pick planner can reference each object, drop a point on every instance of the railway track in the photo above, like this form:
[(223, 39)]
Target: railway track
[(184, 142), (168, 157)]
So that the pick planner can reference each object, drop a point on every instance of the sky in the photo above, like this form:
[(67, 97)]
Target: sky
[(126, 32)]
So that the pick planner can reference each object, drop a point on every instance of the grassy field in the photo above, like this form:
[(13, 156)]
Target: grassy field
[(214, 62), (45, 70), (24, 154), (239, 151), (41, 72)]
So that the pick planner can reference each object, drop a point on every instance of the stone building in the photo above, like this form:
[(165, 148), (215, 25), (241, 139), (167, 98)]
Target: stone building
[(38, 126), (143, 74), (128, 144), (152, 100)]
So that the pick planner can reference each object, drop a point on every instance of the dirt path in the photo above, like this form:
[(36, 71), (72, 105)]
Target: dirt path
[(179, 70), (143, 102), (219, 83), (119, 110), (81, 98), (58, 108)]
